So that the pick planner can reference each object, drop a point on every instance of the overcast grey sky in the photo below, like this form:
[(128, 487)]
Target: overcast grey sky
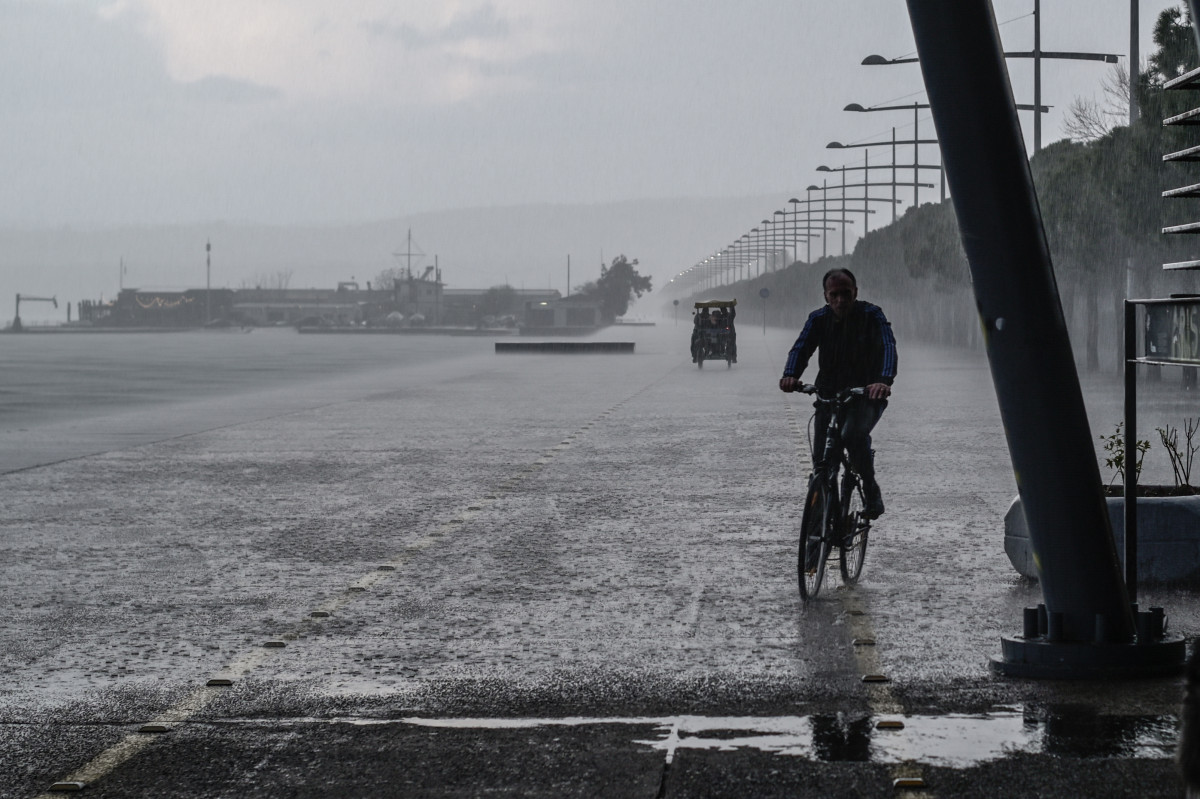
[(147, 112)]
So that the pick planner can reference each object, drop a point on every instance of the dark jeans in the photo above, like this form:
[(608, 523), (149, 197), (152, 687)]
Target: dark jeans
[(860, 417)]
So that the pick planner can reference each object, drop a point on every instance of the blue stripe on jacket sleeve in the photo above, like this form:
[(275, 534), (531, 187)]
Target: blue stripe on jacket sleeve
[(890, 359), (802, 343)]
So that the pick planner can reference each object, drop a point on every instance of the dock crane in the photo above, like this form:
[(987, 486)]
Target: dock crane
[(16, 325)]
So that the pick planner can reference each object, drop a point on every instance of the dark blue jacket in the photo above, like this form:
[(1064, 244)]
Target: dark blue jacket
[(856, 351)]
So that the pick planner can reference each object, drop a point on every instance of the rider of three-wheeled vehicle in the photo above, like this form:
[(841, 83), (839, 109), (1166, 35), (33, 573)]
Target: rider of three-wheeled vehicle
[(714, 337)]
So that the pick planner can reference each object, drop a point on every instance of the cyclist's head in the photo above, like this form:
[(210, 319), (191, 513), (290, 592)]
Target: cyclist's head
[(841, 290), (839, 271)]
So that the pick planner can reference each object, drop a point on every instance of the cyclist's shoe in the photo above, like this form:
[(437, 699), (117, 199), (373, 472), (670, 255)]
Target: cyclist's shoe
[(872, 500)]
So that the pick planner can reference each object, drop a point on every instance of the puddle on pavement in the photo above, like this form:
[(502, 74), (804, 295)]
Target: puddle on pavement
[(952, 740)]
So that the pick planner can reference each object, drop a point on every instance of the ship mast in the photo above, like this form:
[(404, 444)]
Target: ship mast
[(407, 255)]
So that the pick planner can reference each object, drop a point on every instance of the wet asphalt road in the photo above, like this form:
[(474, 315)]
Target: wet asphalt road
[(429, 570)]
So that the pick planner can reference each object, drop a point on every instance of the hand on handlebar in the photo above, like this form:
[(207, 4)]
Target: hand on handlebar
[(790, 384), (879, 391)]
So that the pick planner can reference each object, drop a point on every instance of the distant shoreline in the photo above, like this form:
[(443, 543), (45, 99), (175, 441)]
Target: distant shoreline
[(40, 329), (433, 331)]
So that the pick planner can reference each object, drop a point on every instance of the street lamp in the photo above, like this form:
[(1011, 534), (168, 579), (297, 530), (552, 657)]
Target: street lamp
[(858, 108), (741, 263), (866, 198), (751, 259), (795, 226), (808, 208), (811, 189), (867, 184), (825, 218), (782, 236), (806, 232), (1134, 63), (915, 165), (755, 249), (879, 61), (744, 247), (1037, 54), (767, 261)]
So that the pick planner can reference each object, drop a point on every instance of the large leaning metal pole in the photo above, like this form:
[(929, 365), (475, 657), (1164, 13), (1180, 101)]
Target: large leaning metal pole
[(1086, 626)]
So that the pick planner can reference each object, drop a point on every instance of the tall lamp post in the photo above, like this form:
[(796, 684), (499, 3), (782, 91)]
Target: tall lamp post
[(207, 282), (795, 226), (1037, 54), (916, 166), (915, 108), (1134, 63), (760, 247), (824, 190), (825, 218), (807, 233), (737, 252), (867, 184), (766, 263), (755, 249), (808, 207), (782, 237)]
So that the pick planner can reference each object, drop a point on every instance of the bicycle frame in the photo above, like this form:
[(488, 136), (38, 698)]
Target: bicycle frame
[(832, 510), (834, 457)]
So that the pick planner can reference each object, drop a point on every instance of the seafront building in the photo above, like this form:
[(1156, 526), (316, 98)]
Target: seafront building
[(409, 302)]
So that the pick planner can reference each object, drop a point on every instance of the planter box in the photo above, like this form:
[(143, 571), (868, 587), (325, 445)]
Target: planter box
[(1168, 538)]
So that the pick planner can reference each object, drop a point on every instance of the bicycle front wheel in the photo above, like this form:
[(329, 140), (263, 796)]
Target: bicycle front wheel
[(814, 543), (854, 527)]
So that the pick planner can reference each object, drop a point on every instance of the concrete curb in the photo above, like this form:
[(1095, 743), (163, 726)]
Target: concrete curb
[(564, 346), (1168, 538)]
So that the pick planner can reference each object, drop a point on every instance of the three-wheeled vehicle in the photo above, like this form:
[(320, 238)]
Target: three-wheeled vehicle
[(714, 337)]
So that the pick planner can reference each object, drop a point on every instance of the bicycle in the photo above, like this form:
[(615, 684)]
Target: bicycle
[(832, 517)]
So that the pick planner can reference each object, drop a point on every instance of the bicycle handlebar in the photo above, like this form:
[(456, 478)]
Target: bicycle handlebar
[(845, 393)]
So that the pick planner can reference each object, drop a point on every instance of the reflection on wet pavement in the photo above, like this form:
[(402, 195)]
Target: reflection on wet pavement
[(953, 740)]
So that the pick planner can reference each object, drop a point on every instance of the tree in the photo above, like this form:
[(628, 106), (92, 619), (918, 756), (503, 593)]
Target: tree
[(932, 247), (618, 285), (388, 277), (1088, 120), (1176, 45), (497, 301)]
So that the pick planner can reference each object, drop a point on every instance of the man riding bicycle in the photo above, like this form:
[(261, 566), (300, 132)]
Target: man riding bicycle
[(857, 348)]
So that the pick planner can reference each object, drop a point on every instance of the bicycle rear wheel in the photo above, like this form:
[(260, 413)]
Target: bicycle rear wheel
[(853, 529), (814, 543)]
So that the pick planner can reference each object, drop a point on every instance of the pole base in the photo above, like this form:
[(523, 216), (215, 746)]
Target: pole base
[(1038, 658)]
